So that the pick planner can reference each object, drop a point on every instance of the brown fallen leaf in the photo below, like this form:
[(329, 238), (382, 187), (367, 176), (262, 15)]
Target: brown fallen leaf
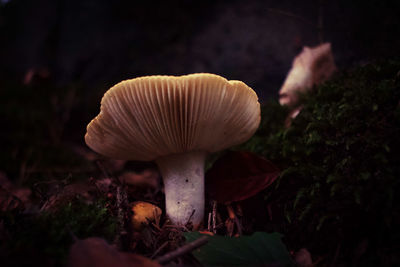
[(239, 175), (96, 252)]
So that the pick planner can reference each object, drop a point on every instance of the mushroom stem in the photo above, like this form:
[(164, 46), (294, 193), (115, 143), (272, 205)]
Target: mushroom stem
[(183, 176)]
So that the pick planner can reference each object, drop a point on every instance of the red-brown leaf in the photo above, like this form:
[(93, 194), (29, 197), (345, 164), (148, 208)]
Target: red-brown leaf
[(239, 175), (96, 252)]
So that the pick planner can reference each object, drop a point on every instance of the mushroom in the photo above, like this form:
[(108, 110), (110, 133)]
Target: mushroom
[(175, 121)]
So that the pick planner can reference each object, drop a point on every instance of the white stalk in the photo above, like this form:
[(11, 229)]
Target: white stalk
[(183, 176)]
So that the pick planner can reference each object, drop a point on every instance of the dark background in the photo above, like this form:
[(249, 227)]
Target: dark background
[(103, 42)]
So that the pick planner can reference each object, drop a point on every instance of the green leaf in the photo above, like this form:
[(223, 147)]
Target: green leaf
[(258, 249)]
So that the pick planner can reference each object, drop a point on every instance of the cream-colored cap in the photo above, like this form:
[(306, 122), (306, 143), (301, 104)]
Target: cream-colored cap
[(153, 116)]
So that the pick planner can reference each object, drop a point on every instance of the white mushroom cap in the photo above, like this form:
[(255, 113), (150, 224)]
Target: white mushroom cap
[(150, 117)]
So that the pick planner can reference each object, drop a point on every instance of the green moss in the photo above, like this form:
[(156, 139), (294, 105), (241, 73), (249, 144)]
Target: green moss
[(48, 236), (340, 161)]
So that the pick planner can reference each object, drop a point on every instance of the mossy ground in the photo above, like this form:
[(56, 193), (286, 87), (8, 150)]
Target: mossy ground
[(47, 236), (337, 195)]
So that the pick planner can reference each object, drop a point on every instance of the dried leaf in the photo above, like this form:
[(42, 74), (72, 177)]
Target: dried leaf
[(314, 65), (96, 252), (239, 175)]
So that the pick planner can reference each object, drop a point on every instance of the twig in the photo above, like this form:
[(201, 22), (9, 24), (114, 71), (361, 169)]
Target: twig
[(121, 202), (159, 249), (233, 216), (214, 216), (182, 250), (156, 226), (191, 215), (209, 222), (182, 227)]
